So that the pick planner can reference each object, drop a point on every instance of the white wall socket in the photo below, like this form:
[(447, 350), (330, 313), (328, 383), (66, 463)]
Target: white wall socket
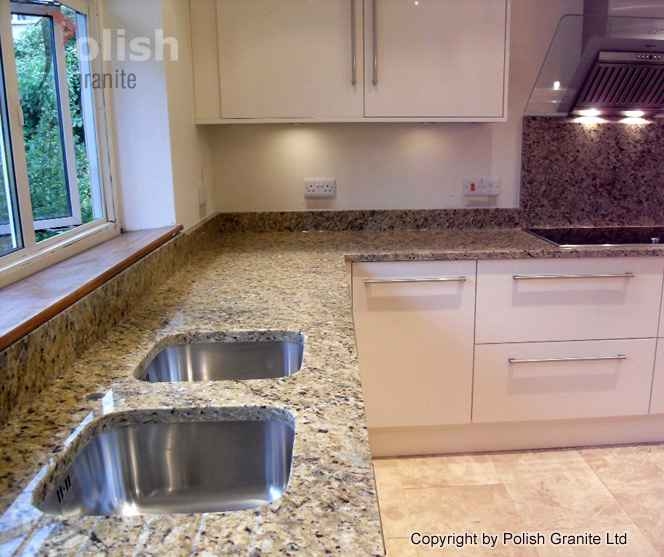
[(485, 186), (320, 188)]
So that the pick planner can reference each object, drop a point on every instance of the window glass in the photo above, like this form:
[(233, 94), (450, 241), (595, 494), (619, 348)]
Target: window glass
[(58, 120), (81, 106)]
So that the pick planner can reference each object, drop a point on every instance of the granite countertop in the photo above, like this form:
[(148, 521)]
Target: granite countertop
[(241, 282), (450, 245)]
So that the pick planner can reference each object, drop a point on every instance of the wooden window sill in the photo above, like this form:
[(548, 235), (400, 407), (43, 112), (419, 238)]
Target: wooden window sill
[(31, 302)]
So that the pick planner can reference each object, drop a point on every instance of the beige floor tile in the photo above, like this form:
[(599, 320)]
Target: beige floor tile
[(545, 465), (635, 478), (638, 545), (446, 509), (400, 548), (626, 465), (436, 471), (655, 453), (646, 509), (618, 489), (558, 490), (393, 512)]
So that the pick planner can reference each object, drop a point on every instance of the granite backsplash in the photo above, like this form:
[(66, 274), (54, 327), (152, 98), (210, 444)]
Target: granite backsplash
[(603, 174), (374, 221)]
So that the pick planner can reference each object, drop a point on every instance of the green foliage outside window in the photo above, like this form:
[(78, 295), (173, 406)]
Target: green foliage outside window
[(42, 132)]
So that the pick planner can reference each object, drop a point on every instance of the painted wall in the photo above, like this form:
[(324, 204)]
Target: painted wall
[(143, 182), (164, 164), (191, 160), (387, 166)]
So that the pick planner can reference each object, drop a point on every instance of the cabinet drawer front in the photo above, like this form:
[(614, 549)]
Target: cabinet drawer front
[(414, 328), (543, 300), (562, 380)]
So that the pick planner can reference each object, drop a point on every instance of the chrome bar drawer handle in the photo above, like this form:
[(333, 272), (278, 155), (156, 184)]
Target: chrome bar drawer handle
[(353, 45), (513, 361), (593, 276), (368, 282)]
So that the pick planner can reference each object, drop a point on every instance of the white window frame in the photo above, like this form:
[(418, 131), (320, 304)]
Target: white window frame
[(35, 256), (69, 155), (12, 227)]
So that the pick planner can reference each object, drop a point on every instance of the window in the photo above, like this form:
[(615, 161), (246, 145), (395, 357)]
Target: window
[(10, 230), (55, 179)]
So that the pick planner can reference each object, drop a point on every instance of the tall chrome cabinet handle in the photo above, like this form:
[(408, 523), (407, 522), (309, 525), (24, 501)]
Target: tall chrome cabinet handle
[(374, 23), (353, 45)]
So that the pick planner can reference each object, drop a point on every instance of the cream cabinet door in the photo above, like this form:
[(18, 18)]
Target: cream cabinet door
[(436, 59), (205, 60), (562, 380), (290, 59), (568, 299), (414, 329)]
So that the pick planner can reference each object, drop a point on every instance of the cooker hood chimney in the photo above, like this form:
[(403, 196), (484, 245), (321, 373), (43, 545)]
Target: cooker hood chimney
[(601, 64)]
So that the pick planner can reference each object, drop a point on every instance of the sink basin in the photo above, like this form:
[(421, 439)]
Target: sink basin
[(220, 360), (178, 467)]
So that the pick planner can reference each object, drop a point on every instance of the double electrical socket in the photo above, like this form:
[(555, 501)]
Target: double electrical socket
[(486, 186), (320, 188)]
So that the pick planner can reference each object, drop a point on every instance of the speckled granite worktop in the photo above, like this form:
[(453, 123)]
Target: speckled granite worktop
[(463, 244), (241, 282)]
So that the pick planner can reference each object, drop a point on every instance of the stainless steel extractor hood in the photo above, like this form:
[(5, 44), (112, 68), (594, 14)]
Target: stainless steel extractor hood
[(600, 64)]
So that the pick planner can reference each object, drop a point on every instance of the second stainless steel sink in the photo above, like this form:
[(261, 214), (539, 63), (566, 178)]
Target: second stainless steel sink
[(179, 466), (213, 360)]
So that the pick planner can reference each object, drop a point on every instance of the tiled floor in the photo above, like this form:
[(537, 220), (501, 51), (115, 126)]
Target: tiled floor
[(618, 490)]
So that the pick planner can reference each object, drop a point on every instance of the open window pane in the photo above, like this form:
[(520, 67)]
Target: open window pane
[(36, 65), (82, 109), (58, 119), (10, 230)]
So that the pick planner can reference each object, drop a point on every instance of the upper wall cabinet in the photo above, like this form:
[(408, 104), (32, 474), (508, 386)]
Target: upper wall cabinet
[(436, 59), (350, 60), (289, 59)]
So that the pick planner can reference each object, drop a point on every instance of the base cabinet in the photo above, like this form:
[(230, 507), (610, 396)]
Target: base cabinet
[(562, 380), (414, 330), (512, 354), (574, 299)]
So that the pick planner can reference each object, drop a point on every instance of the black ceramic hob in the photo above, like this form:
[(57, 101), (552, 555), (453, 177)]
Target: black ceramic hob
[(598, 236)]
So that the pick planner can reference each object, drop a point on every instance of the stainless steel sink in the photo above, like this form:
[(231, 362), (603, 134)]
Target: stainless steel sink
[(217, 361), (177, 467)]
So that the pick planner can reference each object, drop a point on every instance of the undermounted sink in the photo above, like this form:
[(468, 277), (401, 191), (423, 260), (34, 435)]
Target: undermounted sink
[(221, 360), (178, 467)]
